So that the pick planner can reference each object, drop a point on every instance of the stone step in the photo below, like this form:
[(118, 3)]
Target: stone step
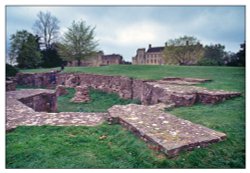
[(167, 132)]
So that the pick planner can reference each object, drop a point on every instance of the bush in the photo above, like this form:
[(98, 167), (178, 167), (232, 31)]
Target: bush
[(10, 70)]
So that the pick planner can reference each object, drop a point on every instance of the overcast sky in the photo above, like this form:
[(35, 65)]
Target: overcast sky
[(123, 29)]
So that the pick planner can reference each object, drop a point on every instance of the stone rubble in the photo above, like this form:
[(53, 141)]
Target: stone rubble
[(61, 90), (81, 95), (166, 132)]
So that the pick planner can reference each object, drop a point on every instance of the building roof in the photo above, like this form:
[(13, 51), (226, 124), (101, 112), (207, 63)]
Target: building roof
[(155, 49)]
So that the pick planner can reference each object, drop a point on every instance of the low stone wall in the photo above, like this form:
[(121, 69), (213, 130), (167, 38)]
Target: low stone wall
[(117, 84), (46, 80), (44, 102), (29, 108), (179, 91)]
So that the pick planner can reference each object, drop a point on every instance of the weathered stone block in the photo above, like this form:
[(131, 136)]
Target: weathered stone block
[(81, 95), (168, 133), (61, 90), (10, 86)]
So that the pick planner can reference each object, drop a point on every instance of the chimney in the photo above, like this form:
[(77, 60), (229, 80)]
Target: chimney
[(166, 44), (149, 46)]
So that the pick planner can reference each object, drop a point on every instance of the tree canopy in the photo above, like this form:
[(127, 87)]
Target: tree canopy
[(183, 51), (24, 49), (78, 42), (213, 55)]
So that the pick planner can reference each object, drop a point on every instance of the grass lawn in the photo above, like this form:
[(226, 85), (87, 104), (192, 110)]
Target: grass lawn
[(81, 147), (100, 102)]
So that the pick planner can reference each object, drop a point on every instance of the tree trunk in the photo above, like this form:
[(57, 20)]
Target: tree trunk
[(78, 62)]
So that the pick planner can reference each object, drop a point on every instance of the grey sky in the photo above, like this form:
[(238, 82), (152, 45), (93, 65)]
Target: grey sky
[(123, 29)]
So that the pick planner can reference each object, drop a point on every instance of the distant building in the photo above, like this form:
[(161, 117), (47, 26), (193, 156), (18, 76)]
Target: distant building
[(153, 56), (98, 60)]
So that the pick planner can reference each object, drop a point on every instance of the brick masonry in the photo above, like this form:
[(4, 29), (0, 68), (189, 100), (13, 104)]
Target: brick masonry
[(179, 91)]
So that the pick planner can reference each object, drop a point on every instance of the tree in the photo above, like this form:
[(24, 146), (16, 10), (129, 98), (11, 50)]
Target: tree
[(78, 42), (24, 49), (231, 59), (51, 57), (46, 27), (237, 59), (10, 70), (183, 51), (213, 55), (242, 55)]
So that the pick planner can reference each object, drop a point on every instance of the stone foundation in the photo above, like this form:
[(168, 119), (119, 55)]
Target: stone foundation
[(164, 131), (28, 108), (179, 91), (39, 100)]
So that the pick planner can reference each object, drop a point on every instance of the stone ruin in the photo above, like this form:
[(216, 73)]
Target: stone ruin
[(81, 95), (166, 132), (36, 107), (179, 91), (61, 90)]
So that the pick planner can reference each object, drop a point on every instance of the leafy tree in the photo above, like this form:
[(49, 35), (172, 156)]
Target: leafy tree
[(231, 59), (46, 27), (237, 59), (78, 42), (213, 55), (51, 57), (11, 70), (183, 51), (24, 49), (242, 55)]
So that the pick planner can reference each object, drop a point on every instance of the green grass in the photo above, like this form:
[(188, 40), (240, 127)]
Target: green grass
[(40, 70), (227, 78), (100, 102), (80, 147), (76, 147)]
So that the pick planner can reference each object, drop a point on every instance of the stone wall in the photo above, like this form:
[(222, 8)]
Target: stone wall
[(43, 102), (29, 107), (46, 80), (180, 93), (117, 84)]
